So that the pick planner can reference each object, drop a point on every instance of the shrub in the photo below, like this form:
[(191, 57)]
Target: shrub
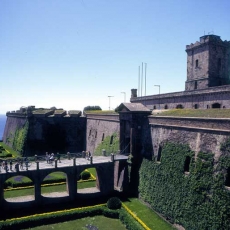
[(114, 203), (85, 175)]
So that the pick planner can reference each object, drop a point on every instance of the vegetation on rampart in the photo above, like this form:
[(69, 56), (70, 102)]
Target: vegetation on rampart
[(20, 138), (193, 195), (210, 113), (110, 144), (100, 112)]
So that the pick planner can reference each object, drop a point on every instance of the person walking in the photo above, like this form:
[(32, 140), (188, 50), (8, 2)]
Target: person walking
[(58, 157)]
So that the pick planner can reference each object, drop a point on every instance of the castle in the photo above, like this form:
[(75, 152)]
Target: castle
[(208, 79), (179, 165)]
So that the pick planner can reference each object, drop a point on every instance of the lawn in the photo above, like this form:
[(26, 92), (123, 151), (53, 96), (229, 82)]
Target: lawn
[(47, 189), (101, 222), (149, 217), (212, 113)]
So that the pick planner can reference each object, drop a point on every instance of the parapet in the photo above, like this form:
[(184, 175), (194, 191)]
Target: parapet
[(208, 39)]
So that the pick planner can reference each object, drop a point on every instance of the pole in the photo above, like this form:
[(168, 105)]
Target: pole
[(145, 77), (109, 101), (141, 78), (124, 96)]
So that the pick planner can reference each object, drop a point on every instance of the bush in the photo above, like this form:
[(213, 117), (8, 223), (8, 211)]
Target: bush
[(85, 175), (114, 203)]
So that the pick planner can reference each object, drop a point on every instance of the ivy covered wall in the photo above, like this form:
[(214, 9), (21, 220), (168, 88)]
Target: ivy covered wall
[(187, 189)]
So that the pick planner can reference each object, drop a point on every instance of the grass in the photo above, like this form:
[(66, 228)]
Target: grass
[(101, 222), (102, 112), (211, 113), (149, 217), (46, 189)]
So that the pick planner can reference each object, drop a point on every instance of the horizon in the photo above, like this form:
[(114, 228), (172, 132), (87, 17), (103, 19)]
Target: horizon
[(73, 54)]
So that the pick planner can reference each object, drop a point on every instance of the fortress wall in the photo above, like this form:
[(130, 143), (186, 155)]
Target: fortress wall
[(199, 134), (13, 123), (97, 125), (56, 134), (195, 122), (203, 98)]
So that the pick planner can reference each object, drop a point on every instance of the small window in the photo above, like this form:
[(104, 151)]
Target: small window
[(96, 134), (159, 154), (166, 106), (197, 63), (227, 180), (196, 106), (195, 86), (186, 164), (111, 140), (207, 106), (90, 133), (103, 136), (154, 107)]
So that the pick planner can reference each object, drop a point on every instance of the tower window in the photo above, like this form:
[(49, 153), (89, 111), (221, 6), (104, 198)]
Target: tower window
[(96, 134), (197, 63), (195, 86), (103, 136), (154, 107)]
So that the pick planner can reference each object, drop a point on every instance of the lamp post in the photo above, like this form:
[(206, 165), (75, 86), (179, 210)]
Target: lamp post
[(159, 88), (124, 96), (159, 93), (109, 101)]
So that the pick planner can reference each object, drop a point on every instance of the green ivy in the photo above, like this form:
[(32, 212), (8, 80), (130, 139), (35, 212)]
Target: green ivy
[(20, 138), (105, 144), (196, 200)]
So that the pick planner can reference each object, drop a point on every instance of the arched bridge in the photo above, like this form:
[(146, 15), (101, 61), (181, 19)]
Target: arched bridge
[(110, 176)]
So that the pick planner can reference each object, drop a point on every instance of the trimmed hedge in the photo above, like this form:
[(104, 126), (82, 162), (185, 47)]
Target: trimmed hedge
[(67, 215), (114, 203), (196, 199)]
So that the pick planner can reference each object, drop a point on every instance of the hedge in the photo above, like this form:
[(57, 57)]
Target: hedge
[(197, 199)]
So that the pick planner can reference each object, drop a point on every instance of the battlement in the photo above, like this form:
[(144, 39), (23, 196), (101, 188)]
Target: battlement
[(208, 39)]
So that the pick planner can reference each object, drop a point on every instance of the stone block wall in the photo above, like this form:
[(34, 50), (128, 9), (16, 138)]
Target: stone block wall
[(99, 127)]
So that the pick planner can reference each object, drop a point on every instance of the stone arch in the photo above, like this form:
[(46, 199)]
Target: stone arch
[(179, 106), (92, 185), (17, 181), (49, 179), (196, 106), (216, 106)]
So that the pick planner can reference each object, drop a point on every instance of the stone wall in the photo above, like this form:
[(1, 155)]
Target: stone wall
[(201, 99), (200, 134), (56, 134), (99, 127)]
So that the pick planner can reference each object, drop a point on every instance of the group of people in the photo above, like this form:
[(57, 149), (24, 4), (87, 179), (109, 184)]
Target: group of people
[(4, 165), (50, 158)]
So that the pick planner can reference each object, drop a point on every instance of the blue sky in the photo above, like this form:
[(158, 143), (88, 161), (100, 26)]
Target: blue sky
[(75, 53)]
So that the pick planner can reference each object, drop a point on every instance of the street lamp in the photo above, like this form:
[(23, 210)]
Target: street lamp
[(159, 88), (124, 96), (109, 101)]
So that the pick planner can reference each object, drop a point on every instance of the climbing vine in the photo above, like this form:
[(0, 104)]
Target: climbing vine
[(20, 138), (107, 145), (197, 199)]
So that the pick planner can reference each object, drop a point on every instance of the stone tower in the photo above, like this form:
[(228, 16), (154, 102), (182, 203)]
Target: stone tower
[(208, 63)]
